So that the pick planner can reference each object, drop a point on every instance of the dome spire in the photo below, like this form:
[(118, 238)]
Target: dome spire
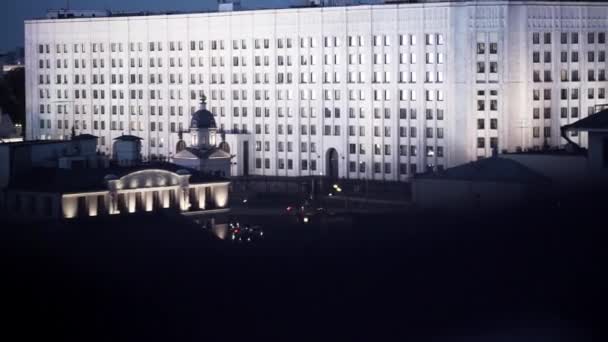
[(203, 102)]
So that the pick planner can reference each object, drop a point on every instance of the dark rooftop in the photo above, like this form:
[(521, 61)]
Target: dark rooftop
[(33, 142), (493, 169), (594, 122), (85, 137), (551, 152), (128, 138), (92, 179)]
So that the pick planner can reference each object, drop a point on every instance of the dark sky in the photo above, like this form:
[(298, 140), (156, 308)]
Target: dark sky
[(16, 11)]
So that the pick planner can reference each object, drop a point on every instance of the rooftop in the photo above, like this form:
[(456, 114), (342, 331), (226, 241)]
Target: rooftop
[(551, 152), (85, 137), (66, 14), (494, 169), (33, 142), (128, 138), (594, 122)]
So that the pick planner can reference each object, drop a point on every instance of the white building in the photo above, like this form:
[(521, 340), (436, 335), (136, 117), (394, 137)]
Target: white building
[(370, 91)]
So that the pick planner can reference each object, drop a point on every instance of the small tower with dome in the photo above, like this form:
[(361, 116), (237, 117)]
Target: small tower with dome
[(200, 150), (203, 130)]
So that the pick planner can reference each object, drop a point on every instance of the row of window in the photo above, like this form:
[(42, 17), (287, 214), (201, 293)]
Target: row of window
[(481, 123), (304, 112), (572, 76), (352, 41), (574, 56), (286, 94), (569, 37), (259, 78), (574, 94), (481, 142), (353, 167), (574, 112), (353, 59), (114, 125)]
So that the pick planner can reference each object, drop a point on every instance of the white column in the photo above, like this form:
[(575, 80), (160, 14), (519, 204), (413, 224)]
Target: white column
[(200, 197), (92, 208), (165, 196), (131, 201), (69, 207), (148, 199), (220, 195)]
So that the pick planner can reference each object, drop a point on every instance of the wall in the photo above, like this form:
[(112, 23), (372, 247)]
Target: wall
[(32, 206), (127, 152), (564, 170), (598, 168), (235, 141), (216, 165), (465, 195)]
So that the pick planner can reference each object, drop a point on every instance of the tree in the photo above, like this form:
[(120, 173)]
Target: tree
[(12, 95)]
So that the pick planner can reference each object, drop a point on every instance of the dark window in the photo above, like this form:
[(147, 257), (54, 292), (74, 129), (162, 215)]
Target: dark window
[(536, 38)]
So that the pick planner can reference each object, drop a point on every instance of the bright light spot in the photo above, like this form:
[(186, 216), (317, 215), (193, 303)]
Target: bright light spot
[(305, 219), (245, 200)]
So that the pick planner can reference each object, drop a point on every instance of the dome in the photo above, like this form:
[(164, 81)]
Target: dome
[(202, 118)]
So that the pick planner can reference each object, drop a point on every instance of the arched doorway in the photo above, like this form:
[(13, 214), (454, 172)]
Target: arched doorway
[(331, 162)]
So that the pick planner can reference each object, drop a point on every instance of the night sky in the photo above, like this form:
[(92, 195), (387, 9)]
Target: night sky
[(16, 11)]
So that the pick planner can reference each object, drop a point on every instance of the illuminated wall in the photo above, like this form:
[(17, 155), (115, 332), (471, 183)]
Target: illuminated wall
[(406, 64)]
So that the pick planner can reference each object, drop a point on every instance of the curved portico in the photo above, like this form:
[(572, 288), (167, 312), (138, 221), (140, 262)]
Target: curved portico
[(147, 191)]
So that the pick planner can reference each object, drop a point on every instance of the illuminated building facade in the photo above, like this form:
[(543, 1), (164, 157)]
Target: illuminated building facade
[(372, 91)]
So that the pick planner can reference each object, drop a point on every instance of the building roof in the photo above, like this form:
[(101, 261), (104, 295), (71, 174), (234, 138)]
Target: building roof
[(495, 169), (85, 137), (58, 180), (128, 138), (594, 122), (209, 153), (34, 142), (63, 14)]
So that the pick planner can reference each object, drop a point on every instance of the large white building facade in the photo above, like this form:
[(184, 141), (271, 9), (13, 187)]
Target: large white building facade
[(370, 91)]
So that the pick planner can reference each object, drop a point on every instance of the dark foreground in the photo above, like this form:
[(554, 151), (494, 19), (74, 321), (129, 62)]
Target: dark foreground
[(515, 276)]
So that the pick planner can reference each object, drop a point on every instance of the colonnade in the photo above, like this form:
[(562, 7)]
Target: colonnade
[(129, 201)]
